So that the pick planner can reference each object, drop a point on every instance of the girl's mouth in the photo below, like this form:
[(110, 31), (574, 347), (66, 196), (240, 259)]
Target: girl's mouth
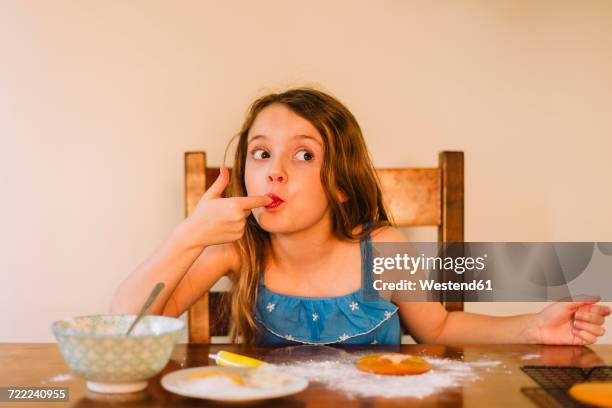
[(277, 201)]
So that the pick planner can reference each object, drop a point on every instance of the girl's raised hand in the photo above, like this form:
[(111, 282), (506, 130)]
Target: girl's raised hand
[(217, 220)]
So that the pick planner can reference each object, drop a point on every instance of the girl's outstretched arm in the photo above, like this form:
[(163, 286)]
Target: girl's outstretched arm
[(569, 323)]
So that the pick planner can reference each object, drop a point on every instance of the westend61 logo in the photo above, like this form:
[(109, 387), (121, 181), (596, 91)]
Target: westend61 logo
[(412, 264)]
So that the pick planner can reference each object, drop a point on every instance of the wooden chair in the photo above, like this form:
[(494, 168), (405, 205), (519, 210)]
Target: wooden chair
[(414, 197)]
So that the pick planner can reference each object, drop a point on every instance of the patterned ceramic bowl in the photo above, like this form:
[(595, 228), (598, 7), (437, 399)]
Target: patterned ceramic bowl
[(96, 348)]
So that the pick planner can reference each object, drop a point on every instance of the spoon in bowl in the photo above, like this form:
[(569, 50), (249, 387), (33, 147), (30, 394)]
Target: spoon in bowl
[(154, 294)]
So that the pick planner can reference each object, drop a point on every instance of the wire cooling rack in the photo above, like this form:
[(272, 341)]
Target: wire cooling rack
[(556, 380)]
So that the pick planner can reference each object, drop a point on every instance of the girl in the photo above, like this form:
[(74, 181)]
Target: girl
[(294, 235)]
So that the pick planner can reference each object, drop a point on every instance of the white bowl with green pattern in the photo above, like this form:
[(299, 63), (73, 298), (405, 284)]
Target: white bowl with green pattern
[(96, 348)]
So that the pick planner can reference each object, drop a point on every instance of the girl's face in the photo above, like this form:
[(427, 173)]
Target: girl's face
[(284, 158)]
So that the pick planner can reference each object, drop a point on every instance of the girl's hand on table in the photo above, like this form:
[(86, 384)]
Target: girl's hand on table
[(570, 323), (218, 220)]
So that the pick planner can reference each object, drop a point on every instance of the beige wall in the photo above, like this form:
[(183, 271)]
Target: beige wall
[(99, 100)]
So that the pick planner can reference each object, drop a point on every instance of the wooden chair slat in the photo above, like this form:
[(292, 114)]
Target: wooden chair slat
[(451, 227)]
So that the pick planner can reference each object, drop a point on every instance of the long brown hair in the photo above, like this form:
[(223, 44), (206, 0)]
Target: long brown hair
[(346, 168)]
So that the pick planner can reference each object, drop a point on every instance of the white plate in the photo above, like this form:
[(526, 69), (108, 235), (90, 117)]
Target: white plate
[(178, 383)]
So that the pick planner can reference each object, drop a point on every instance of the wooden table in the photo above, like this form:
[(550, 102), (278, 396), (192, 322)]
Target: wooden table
[(41, 364)]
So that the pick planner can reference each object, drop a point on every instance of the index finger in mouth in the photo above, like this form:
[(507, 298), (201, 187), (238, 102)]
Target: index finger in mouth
[(255, 201)]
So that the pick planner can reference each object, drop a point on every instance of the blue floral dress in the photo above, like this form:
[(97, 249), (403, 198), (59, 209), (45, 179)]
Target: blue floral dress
[(349, 319)]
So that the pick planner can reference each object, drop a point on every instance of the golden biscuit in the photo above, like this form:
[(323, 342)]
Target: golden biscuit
[(393, 364), (594, 393)]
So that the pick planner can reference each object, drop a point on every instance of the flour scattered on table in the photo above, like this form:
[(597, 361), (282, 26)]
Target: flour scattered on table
[(484, 363), (530, 356), (60, 378), (342, 375)]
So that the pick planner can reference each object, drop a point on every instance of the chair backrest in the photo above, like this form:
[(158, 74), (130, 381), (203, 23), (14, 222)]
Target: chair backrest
[(413, 196)]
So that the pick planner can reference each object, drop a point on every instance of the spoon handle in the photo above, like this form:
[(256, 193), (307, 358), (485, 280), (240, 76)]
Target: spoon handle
[(154, 293)]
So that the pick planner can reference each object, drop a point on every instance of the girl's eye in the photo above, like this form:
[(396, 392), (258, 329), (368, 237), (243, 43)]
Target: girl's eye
[(305, 155), (258, 154)]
